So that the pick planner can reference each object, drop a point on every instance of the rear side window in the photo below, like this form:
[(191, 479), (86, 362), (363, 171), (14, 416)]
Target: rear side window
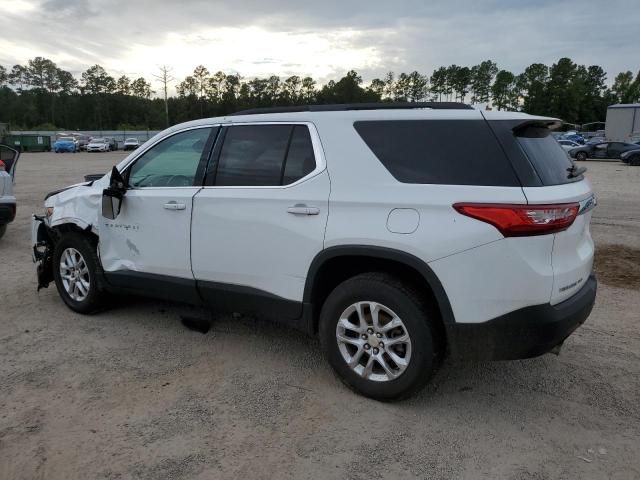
[(300, 159), (549, 160), (264, 155), (452, 152)]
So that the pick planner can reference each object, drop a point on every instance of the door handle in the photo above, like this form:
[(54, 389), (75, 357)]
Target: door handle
[(301, 209), (173, 205)]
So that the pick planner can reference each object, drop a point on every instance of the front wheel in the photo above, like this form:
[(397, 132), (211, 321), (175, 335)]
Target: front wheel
[(378, 335), (75, 266), (581, 156), (634, 161), (3, 230)]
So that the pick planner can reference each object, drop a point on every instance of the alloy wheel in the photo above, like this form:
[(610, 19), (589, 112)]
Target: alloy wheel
[(74, 274), (373, 341)]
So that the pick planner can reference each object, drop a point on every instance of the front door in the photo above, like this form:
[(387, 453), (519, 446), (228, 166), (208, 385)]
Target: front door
[(260, 220), (147, 247), (600, 150)]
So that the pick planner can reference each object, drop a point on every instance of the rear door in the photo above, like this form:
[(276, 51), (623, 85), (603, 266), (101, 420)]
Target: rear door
[(260, 219), (572, 254), (615, 149), (9, 157)]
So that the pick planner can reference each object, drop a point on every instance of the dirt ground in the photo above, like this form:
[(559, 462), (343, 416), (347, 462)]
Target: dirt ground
[(131, 393)]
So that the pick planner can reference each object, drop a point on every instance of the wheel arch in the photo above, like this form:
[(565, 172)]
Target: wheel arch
[(335, 264)]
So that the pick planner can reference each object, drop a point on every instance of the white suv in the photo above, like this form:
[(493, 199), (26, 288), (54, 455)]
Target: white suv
[(396, 234)]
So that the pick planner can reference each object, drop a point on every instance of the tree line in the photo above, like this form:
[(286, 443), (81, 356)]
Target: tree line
[(39, 94)]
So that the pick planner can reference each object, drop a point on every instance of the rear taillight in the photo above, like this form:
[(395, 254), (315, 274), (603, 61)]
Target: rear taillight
[(3, 167), (522, 220)]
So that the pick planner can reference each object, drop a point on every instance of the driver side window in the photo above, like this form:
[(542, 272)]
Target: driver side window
[(171, 163)]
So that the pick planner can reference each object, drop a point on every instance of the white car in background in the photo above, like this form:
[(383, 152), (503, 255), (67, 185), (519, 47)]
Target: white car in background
[(98, 145), (568, 144), (131, 143), (8, 161)]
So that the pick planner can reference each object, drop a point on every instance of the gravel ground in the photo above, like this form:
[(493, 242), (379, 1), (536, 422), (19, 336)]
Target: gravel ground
[(131, 393)]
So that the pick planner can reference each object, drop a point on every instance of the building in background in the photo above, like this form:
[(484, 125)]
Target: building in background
[(623, 123)]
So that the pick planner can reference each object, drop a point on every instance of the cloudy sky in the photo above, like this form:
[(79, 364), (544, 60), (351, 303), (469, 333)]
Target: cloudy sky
[(322, 38)]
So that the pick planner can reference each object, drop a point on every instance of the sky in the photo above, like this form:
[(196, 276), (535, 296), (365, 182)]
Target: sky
[(321, 38)]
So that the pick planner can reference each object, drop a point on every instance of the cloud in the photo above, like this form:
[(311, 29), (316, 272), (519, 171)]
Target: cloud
[(322, 39)]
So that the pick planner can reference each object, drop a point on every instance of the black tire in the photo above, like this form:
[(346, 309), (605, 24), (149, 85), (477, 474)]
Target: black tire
[(415, 313), (581, 156), (634, 160), (3, 230), (87, 248)]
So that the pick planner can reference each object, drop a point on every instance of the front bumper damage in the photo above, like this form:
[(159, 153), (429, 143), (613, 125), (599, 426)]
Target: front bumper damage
[(42, 239)]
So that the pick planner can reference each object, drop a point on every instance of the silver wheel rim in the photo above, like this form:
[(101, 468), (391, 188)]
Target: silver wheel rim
[(373, 341), (74, 274)]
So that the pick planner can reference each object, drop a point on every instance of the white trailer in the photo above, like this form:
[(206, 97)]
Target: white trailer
[(623, 123)]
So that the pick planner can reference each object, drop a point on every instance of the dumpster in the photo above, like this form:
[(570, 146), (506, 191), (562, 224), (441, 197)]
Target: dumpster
[(29, 143)]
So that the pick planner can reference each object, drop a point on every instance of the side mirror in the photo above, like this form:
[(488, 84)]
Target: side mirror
[(112, 196), (111, 202)]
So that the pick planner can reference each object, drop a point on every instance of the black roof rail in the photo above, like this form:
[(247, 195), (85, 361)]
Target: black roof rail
[(357, 106)]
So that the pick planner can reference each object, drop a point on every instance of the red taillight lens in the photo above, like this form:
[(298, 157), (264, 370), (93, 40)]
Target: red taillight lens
[(522, 220), (2, 166)]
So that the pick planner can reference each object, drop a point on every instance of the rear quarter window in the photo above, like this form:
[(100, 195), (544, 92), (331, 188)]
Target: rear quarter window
[(537, 157), (549, 160), (451, 152)]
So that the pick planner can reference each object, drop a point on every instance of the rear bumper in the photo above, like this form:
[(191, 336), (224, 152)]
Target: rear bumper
[(524, 333)]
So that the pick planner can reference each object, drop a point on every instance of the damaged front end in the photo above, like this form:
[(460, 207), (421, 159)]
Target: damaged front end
[(43, 240)]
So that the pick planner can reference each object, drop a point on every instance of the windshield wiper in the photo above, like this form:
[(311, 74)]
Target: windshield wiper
[(575, 171)]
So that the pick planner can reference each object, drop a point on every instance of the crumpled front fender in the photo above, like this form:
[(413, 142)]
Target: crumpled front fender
[(79, 206)]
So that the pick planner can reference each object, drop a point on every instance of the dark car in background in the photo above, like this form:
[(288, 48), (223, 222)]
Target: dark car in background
[(83, 141), (632, 157), (602, 150)]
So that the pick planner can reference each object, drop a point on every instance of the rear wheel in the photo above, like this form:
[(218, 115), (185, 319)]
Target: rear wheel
[(75, 265), (3, 229), (379, 336), (581, 156)]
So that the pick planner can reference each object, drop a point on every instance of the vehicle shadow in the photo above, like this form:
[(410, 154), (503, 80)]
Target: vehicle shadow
[(495, 382)]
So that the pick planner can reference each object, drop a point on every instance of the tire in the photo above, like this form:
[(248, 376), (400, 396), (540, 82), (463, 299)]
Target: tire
[(581, 156), (3, 230), (389, 295), (634, 160), (80, 244)]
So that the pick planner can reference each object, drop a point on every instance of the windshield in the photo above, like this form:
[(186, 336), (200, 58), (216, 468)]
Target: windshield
[(98, 140), (131, 140), (65, 139)]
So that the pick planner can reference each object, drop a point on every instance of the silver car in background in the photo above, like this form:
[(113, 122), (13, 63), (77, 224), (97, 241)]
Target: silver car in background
[(131, 143)]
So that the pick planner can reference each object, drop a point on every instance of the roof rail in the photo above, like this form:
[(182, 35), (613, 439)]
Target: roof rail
[(357, 106)]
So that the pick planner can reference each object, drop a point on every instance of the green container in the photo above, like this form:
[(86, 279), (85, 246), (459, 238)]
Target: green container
[(29, 143)]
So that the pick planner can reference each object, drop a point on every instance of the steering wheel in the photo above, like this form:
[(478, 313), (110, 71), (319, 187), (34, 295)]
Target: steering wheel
[(182, 181)]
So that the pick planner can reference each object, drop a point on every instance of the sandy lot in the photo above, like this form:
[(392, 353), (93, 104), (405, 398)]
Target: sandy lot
[(131, 393)]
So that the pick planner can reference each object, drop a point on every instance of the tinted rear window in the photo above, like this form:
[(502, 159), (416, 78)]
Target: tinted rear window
[(548, 158), (453, 152)]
